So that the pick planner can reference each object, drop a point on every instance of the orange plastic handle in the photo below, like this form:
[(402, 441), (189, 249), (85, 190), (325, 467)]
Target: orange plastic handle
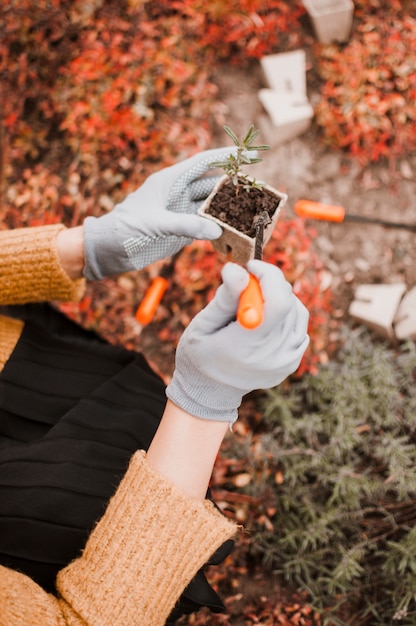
[(250, 307), (151, 300), (320, 211)]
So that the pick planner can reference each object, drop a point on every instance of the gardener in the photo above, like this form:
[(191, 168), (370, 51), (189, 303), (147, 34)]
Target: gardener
[(76, 413)]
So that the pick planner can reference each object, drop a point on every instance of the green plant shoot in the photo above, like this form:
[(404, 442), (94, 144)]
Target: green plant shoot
[(234, 163)]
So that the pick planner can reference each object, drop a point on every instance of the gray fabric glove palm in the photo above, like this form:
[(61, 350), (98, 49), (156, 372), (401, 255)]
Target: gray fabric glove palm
[(155, 221), (218, 361)]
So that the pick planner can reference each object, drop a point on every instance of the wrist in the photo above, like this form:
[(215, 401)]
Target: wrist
[(70, 248), (203, 397), (182, 443)]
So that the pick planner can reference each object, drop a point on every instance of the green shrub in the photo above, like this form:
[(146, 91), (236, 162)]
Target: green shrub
[(337, 468)]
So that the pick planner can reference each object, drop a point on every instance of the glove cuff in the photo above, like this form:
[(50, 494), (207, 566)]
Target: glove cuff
[(203, 397), (103, 254)]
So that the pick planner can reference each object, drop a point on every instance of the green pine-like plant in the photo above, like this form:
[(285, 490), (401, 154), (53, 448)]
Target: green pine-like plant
[(233, 165), (344, 443)]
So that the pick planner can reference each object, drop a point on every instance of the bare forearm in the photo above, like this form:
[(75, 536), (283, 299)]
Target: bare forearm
[(184, 450), (70, 246)]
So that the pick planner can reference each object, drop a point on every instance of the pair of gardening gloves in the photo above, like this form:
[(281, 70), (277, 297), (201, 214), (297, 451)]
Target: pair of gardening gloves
[(217, 360)]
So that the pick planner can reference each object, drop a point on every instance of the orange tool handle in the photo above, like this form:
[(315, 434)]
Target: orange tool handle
[(151, 300), (250, 307), (320, 211)]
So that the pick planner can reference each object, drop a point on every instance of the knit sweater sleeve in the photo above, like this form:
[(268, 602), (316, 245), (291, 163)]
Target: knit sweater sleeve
[(30, 270), (141, 555)]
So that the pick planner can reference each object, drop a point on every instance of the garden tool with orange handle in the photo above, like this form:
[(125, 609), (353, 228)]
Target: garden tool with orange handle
[(334, 213), (154, 294), (250, 307)]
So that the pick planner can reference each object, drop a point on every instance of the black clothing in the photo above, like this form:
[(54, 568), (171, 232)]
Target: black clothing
[(73, 410)]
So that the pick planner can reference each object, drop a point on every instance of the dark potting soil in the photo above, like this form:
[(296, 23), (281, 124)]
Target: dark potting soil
[(239, 210)]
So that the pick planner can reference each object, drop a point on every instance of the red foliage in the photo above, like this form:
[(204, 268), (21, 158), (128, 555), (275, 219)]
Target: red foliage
[(122, 85), (368, 98), (95, 97), (243, 29)]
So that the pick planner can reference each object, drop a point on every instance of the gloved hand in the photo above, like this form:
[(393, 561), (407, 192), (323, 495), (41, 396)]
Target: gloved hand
[(218, 361), (155, 221)]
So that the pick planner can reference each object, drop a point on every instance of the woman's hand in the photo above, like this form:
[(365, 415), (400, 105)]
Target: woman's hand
[(218, 361), (155, 221)]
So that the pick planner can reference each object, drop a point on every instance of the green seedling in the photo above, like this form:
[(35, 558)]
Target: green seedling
[(234, 163)]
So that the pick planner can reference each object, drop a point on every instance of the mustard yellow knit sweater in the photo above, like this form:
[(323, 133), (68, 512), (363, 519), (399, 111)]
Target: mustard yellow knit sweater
[(152, 539)]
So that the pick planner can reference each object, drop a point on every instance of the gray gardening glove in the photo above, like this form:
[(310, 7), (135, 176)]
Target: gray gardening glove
[(155, 221), (218, 361)]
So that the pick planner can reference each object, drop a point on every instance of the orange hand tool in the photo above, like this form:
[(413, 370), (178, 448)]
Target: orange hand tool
[(151, 300), (334, 213), (250, 307), (320, 211), (155, 293)]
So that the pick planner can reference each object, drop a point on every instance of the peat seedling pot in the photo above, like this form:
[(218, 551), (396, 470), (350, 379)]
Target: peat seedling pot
[(235, 210)]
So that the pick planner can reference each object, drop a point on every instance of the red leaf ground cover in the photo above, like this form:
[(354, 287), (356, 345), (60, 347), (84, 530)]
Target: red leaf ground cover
[(368, 103), (97, 99)]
